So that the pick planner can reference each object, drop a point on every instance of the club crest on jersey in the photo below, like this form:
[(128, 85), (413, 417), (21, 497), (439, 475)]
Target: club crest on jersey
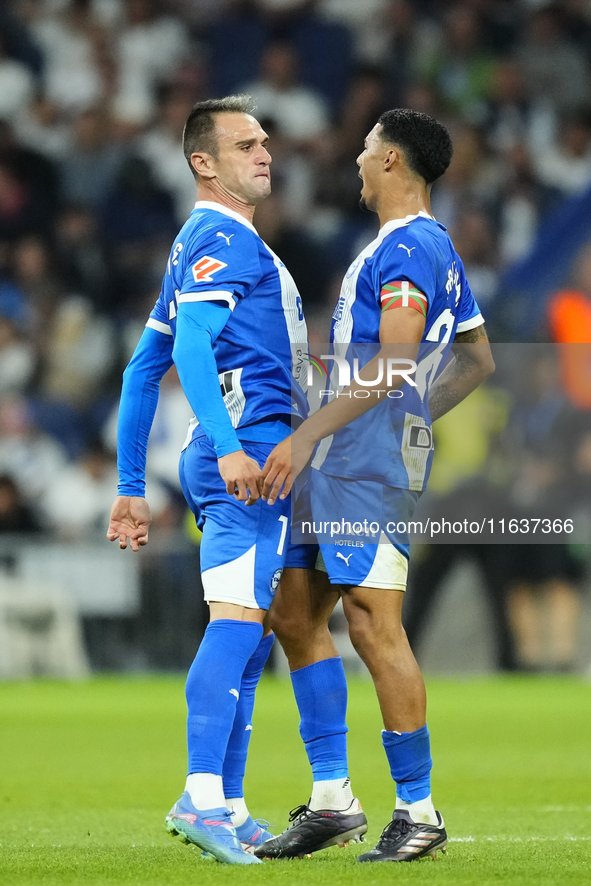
[(204, 269), (275, 579)]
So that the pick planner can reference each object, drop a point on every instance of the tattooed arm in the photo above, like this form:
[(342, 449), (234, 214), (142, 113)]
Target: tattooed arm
[(471, 364)]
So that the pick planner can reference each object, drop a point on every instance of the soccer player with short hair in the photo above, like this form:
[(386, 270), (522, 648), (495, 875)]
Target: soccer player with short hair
[(407, 296), (229, 317)]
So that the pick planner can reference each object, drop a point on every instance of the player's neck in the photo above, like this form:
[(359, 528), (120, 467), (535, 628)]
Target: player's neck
[(402, 202), (213, 192)]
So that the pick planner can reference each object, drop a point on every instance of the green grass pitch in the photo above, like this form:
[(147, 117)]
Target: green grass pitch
[(88, 771)]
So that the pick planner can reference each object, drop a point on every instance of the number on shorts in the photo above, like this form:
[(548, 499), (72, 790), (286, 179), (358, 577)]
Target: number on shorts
[(283, 520)]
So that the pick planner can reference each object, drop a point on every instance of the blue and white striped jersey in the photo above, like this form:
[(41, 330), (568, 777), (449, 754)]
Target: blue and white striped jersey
[(393, 443), (219, 257)]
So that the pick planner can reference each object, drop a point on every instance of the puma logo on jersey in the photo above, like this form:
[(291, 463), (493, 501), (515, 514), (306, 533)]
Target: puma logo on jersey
[(346, 559), (206, 267), (226, 238), (402, 246), (234, 692)]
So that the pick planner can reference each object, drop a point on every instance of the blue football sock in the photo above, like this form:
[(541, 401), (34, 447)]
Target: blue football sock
[(409, 756), (213, 689), (321, 694), (237, 750)]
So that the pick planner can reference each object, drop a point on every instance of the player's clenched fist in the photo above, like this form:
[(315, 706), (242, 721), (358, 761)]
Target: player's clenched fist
[(242, 476), (130, 518)]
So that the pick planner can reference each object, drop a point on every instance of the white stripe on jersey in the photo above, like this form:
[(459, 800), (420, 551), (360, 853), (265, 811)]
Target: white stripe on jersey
[(297, 330), (213, 295), (234, 399), (161, 327), (472, 323), (415, 453)]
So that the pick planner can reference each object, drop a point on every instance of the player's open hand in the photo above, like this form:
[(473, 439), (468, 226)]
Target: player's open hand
[(285, 462), (130, 519), (242, 476)]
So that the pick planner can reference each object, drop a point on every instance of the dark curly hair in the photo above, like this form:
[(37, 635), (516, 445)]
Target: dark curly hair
[(425, 142)]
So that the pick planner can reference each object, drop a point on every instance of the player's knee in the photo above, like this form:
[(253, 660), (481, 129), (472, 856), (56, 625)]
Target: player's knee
[(298, 635), (288, 628), (278, 624), (372, 634), (360, 631)]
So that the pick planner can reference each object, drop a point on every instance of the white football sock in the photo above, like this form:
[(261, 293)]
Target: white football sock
[(334, 794), (421, 811), (206, 790), (239, 808)]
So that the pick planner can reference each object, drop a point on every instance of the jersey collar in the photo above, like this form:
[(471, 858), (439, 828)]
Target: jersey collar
[(401, 222), (217, 207)]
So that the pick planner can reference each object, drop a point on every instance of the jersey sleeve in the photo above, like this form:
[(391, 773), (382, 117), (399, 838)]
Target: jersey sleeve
[(198, 326), (403, 276), (158, 318), (139, 397), (222, 265), (469, 316)]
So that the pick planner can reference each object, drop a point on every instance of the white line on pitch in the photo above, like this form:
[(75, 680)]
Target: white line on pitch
[(517, 839)]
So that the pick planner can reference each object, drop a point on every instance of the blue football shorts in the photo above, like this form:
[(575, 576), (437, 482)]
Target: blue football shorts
[(302, 550), (243, 548), (361, 527)]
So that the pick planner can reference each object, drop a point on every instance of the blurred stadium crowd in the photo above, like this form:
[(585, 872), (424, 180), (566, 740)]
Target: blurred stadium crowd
[(94, 186)]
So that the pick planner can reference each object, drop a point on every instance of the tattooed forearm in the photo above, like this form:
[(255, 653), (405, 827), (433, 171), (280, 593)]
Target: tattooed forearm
[(441, 400), (445, 393), (471, 364), (463, 365)]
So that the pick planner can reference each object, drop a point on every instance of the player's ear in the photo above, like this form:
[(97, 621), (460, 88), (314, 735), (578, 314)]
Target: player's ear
[(202, 163), (390, 158)]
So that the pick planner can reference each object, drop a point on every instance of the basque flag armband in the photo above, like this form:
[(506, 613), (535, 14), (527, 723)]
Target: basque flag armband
[(403, 294)]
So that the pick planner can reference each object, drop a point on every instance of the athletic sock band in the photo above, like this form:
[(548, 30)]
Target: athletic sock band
[(237, 750), (320, 690), (213, 690), (409, 756)]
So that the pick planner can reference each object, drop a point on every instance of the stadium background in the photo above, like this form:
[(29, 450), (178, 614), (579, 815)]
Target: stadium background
[(93, 186)]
